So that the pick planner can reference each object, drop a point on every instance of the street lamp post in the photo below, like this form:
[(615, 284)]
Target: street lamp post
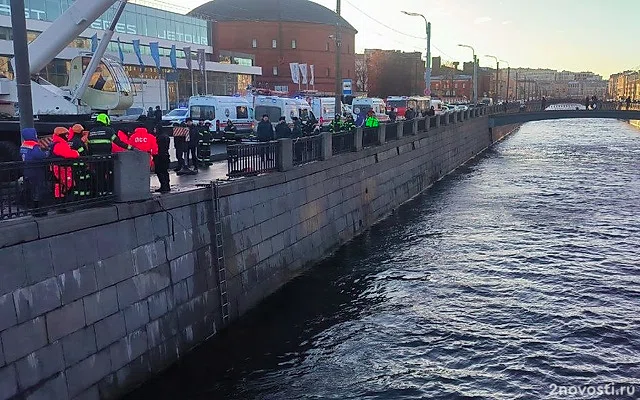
[(495, 100), (475, 73), (508, 78), (427, 73), (338, 96)]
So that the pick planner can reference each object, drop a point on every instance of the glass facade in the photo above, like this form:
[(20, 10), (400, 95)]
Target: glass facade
[(135, 20)]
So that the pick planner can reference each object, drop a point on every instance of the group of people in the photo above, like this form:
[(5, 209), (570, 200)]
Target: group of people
[(190, 142), (410, 113), (78, 180)]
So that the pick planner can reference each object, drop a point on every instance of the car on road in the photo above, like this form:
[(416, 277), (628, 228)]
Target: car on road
[(175, 116)]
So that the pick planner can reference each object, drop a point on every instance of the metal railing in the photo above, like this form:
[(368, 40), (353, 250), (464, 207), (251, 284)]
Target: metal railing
[(369, 137), (35, 188), (422, 124), (342, 142), (249, 159), (307, 149), (391, 132), (407, 127)]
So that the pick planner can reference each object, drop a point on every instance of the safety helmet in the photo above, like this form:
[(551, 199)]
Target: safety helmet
[(59, 131), (103, 119), (77, 128)]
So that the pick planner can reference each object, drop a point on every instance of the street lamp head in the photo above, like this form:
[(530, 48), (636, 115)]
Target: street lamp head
[(413, 14)]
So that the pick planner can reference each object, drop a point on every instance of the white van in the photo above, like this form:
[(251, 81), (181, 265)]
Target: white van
[(219, 109), (276, 107), (438, 107), (324, 108), (362, 105)]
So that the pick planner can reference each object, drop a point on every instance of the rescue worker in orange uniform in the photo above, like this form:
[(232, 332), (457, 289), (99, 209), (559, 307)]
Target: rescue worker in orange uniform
[(63, 173), (142, 140), (77, 139)]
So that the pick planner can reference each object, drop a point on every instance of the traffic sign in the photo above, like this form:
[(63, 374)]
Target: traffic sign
[(427, 92), (346, 86)]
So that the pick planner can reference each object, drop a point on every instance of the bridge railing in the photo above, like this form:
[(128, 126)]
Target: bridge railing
[(307, 149), (36, 188)]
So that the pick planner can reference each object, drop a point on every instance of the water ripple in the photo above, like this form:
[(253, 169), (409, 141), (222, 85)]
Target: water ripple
[(518, 272)]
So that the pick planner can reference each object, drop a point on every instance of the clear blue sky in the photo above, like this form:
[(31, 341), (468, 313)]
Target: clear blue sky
[(578, 35)]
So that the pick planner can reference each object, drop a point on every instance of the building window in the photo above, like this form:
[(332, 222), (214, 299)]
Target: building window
[(275, 71), (348, 73), (327, 47), (254, 43), (464, 85), (328, 72), (274, 44), (293, 44)]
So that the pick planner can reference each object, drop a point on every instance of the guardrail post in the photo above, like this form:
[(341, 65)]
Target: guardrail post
[(326, 149), (414, 128), (285, 154), (438, 120), (400, 131), (357, 139), (131, 177), (382, 131)]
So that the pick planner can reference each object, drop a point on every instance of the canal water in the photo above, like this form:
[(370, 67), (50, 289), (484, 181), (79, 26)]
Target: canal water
[(517, 277)]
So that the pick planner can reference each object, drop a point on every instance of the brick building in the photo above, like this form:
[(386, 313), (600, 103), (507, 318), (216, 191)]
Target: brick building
[(280, 32)]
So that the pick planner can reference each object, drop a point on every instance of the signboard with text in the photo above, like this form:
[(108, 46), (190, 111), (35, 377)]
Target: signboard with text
[(347, 85)]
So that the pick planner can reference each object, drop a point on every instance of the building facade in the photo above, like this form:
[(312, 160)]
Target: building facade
[(279, 33), (624, 84), (166, 87), (392, 73)]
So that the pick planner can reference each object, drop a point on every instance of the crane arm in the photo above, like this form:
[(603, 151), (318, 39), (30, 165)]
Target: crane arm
[(78, 17)]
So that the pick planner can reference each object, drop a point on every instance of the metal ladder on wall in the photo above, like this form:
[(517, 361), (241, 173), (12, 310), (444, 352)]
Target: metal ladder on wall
[(219, 243)]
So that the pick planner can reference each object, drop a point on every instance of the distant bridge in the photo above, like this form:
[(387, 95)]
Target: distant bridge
[(501, 119)]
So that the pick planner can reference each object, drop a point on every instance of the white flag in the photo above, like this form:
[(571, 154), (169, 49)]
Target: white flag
[(295, 72), (304, 72), (312, 80)]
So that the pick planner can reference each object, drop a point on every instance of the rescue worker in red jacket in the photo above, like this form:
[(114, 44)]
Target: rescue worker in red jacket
[(124, 138), (142, 140), (63, 173)]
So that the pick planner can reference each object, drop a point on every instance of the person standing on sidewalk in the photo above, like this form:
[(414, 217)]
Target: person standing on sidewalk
[(161, 160)]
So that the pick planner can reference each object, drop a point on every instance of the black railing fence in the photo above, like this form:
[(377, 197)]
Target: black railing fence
[(407, 127), (250, 159), (54, 185), (342, 142), (369, 137), (307, 149), (391, 132)]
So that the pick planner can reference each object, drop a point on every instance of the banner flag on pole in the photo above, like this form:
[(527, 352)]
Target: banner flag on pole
[(94, 42), (155, 53), (187, 56), (201, 61), (136, 49), (120, 53), (173, 57), (295, 72), (312, 80), (304, 71)]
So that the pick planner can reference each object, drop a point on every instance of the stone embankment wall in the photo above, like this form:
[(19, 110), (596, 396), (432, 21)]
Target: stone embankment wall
[(95, 302)]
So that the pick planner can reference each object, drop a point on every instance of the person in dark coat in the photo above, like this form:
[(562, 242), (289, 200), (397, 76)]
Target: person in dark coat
[(34, 175), (282, 129), (393, 115), (297, 131), (409, 114), (157, 115), (150, 113), (265, 129), (161, 160)]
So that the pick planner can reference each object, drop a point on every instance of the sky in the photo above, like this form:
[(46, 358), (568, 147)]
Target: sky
[(576, 35)]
